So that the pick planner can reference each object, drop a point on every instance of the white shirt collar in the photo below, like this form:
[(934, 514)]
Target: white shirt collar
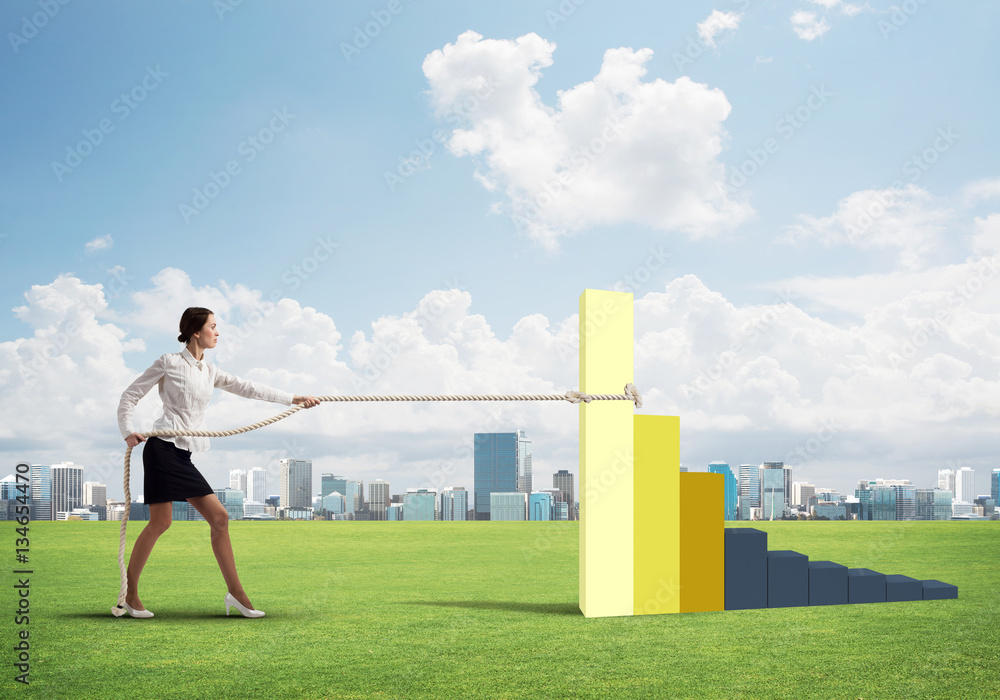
[(186, 354)]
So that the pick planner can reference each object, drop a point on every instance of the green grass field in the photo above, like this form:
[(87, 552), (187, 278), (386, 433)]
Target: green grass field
[(486, 610)]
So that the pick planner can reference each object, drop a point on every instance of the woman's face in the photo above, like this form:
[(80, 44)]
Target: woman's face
[(208, 335)]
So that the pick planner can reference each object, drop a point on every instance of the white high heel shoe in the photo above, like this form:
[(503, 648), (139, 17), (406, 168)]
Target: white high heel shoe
[(136, 613), (245, 611)]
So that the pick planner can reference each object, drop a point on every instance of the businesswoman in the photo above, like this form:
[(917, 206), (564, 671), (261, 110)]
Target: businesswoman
[(185, 381)]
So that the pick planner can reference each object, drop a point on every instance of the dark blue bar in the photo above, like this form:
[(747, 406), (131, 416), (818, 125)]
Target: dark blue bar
[(827, 583), (865, 586), (787, 579), (746, 568), (899, 588), (938, 590)]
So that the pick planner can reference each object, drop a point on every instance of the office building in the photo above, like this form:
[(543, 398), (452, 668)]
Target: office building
[(772, 490), (295, 482), (946, 480), (883, 501), (749, 490), (257, 485), (560, 511), (67, 487), (511, 505), (378, 499), (965, 485), (730, 488), (351, 489), (394, 512), (334, 503), (524, 482), (933, 504), (238, 480), (454, 503), (232, 500), (995, 485), (95, 494), (420, 504), (802, 492), (495, 468), (563, 481), (539, 506)]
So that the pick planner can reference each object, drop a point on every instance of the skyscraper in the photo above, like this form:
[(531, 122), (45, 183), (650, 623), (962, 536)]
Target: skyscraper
[(539, 506), (802, 492), (238, 480), (946, 480), (523, 463), (965, 485), (730, 488), (379, 498), (563, 480), (772, 490), (95, 494), (295, 480), (454, 503), (749, 489), (995, 486), (496, 469), (67, 487), (257, 485)]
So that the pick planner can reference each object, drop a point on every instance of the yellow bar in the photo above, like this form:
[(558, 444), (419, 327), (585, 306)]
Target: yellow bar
[(703, 556), (606, 576), (657, 540)]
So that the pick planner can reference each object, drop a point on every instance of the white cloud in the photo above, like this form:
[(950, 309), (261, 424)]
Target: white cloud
[(907, 218), (614, 150), (908, 384), (981, 191), (808, 26), (98, 244), (716, 23)]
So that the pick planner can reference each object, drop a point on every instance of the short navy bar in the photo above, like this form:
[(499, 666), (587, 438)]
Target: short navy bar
[(938, 590), (746, 568), (899, 588), (827, 583), (865, 586), (787, 579)]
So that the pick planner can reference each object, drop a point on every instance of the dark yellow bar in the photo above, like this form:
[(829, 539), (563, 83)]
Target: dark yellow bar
[(702, 550)]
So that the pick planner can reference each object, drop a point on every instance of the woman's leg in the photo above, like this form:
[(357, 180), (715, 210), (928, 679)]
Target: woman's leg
[(218, 519), (160, 515)]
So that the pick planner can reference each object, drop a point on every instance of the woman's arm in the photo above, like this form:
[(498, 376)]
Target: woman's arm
[(130, 397)]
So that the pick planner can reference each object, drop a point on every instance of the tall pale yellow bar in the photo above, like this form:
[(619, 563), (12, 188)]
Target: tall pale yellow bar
[(657, 517), (606, 484)]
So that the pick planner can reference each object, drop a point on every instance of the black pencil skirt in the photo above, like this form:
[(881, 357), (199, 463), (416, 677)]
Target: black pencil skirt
[(169, 474)]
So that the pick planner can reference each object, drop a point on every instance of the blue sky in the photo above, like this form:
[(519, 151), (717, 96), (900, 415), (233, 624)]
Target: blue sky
[(310, 216)]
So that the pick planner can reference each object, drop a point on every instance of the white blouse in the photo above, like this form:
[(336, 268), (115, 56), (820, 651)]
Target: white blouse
[(186, 388)]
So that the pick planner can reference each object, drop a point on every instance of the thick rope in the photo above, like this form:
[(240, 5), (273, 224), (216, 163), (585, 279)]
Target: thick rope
[(631, 394)]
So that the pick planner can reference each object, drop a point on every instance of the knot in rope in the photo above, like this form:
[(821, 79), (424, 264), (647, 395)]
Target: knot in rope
[(576, 397)]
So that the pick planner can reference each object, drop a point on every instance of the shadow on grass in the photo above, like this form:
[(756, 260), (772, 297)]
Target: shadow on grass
[(166, 615), (506, 606)]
